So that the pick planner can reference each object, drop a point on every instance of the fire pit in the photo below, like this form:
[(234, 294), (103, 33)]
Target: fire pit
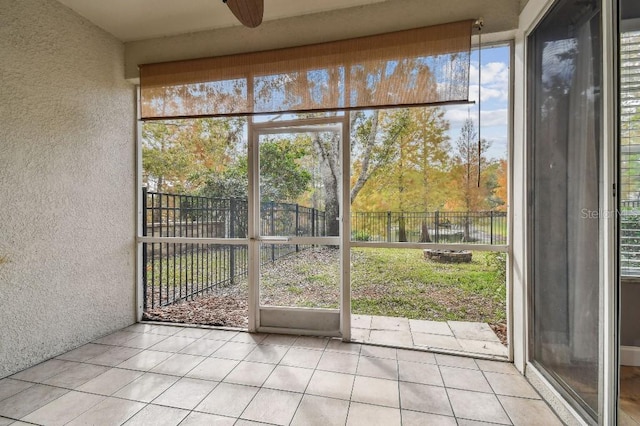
[(448, 256)]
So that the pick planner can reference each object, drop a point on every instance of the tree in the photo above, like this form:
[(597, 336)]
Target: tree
[(470, 160)]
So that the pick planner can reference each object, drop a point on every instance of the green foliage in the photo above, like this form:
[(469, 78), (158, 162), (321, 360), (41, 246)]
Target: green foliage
[(360, 235), (498, 262)]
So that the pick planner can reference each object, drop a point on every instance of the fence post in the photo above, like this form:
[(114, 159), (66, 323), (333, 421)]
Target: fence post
[(313, 221), (437, 226), (297, 225), (144, 247), (491, 227), (388, 227), (232, 233)]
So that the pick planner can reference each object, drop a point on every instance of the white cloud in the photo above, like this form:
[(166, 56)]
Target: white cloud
[(458, 115)]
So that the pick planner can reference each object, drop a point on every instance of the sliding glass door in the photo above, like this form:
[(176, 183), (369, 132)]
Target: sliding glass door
[(566, 168)]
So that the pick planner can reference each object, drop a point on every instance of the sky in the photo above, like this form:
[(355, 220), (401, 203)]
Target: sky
[(494, 103)]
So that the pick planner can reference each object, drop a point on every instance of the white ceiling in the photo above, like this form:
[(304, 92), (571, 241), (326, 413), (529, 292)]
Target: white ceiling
[(130, 20)]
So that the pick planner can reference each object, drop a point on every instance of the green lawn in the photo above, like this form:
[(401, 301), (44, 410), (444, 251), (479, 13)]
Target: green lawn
[(390, 282)]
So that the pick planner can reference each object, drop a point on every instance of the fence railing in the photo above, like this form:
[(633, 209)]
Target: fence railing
[(175, 272), (437, 227)]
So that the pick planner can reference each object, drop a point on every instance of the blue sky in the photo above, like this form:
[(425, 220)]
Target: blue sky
[(495, 100)]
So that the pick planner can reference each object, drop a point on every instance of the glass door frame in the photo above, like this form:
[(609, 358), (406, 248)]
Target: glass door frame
[(530, 17), (291, 320)]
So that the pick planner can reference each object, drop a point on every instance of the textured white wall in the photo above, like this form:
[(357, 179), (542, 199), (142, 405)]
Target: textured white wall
[(67, 183)]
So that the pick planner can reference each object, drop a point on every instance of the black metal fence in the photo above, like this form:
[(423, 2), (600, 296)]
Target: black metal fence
[(436, 227), (182, 271)]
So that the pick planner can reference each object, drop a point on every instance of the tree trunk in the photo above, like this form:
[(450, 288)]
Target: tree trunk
[(424, 233), (402, 230)]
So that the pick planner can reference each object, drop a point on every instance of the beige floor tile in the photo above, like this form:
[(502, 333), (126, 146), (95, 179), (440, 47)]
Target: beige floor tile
[(140, 328), (293, 379), (43, 371), (393, 338), (144, 341), (269, 354), (299, 357), (337, 345), (370, 390), (430, 327), (157, 416), (321, 411), (279, 340), (467, 422), (483, 407), (456, 361), (360, 334), (484, 347), (272, 406), (415, 418), (115, 356), (64, 409), (436, 341), (145, 360), (10, 387), (186, 393), (76, 375), (379, 352), (172, 344), (426, 374), (332, 385), (29, 400), (110, 411), (5, 421), (147, 387), (424, 398), (178, 364), (255, 338), (117, 338), (310, 342), (372, 415), (464, 378), (361, 321), (473, 331), (202, 347), (511, 385), (389, 323), (243, 422), (84, 353), (234, 350), (166, 330), (194, 333), (225, 335), (228, 400), (199, 419), (249, 373), (378, 367), (338, 362), (497, 366), (416, 356), (110, 381), (528, 412), (214, 369)]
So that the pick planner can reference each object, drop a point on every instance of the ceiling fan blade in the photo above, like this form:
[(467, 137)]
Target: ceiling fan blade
[(248, 12)]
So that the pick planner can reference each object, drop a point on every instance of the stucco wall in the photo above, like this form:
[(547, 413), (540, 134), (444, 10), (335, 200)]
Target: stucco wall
[(67, 183)]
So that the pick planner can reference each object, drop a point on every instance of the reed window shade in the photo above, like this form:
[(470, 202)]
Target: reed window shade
[(423, 66)]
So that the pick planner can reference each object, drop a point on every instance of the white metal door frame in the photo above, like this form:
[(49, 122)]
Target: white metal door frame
[(326, 322)]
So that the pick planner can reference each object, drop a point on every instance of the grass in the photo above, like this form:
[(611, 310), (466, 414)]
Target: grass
[(390, 282), (401, 283)]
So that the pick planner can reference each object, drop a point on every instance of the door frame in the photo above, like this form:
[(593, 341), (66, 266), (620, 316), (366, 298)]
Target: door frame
[(308, 321)]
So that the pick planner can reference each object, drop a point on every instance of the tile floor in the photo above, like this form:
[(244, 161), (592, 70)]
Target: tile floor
[(454, 336), (167, 375)]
